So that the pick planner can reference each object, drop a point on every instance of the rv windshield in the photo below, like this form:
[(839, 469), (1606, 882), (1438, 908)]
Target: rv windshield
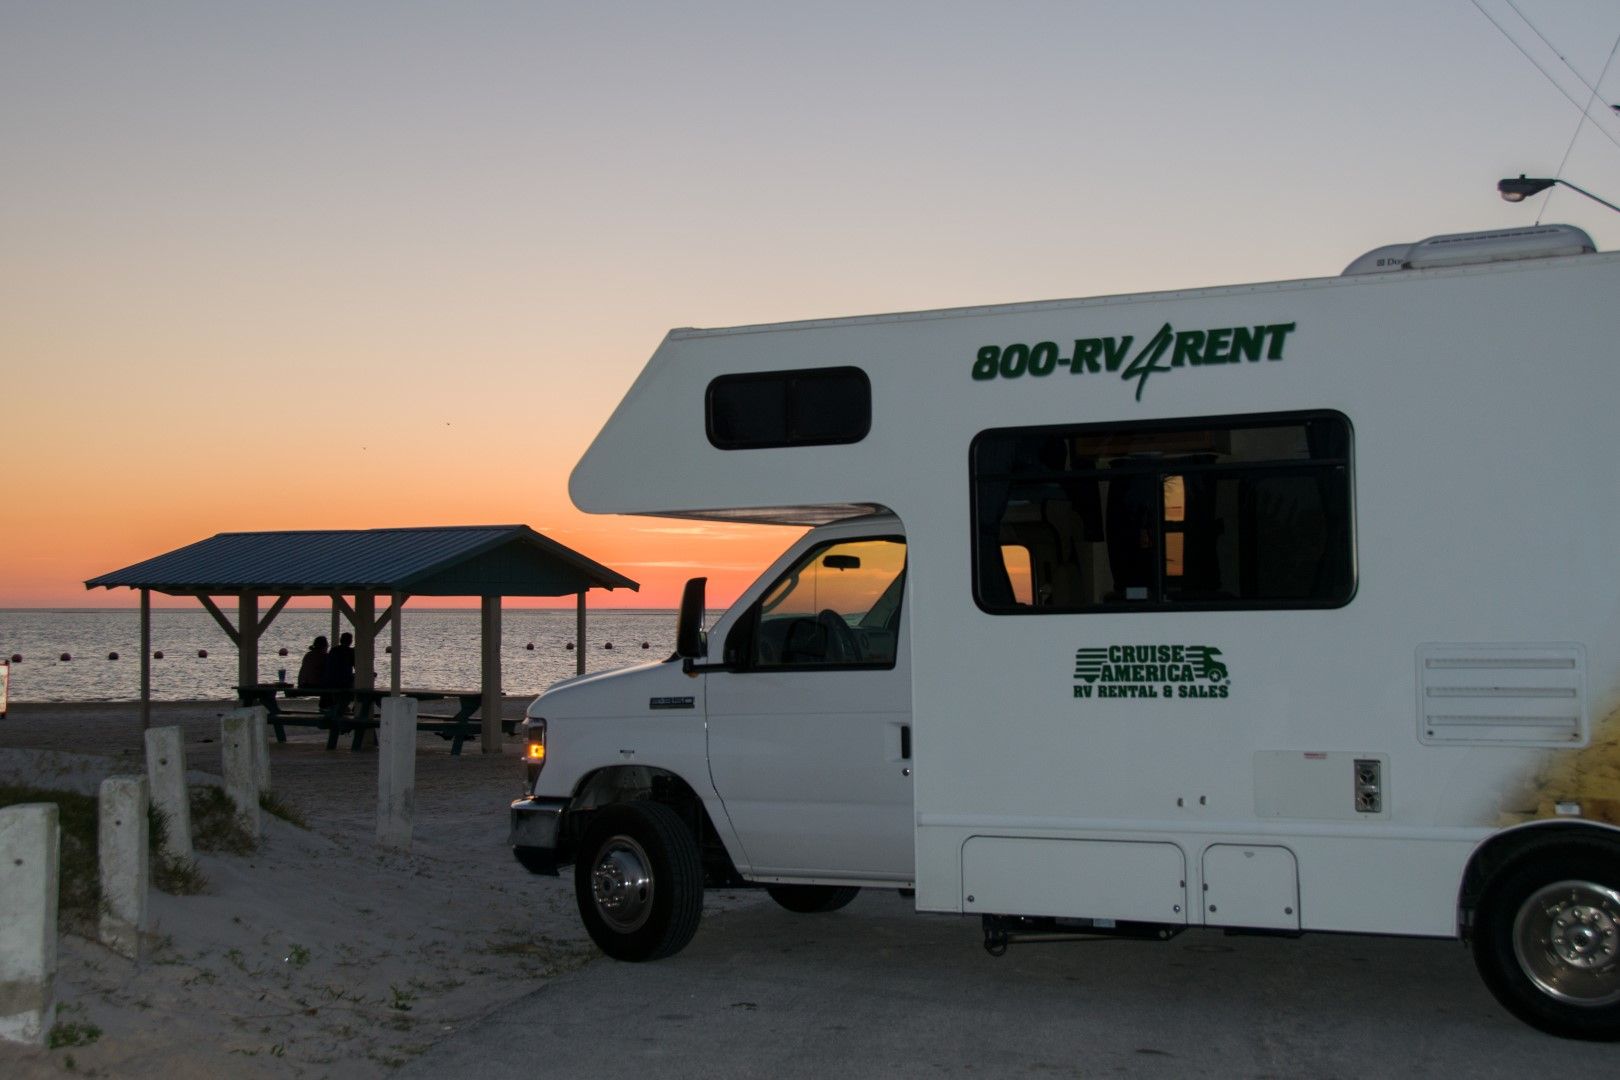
[(839, 605)]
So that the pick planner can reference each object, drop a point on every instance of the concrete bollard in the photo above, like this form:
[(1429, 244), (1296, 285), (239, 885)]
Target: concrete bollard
[(241, 768), (30, 845), (166, 776), (258, 720), (123, 839), (396, 773), (261, 741)]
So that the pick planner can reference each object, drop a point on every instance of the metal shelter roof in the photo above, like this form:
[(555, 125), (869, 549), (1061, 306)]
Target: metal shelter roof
[(468, 560)]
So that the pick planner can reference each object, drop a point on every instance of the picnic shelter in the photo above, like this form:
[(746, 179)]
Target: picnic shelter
[(356, 569)]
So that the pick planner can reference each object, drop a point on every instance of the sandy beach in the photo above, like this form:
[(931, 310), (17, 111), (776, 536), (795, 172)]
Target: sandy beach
[(318, 954)]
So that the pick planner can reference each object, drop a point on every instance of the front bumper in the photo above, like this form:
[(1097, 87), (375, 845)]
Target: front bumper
[(536, 826)]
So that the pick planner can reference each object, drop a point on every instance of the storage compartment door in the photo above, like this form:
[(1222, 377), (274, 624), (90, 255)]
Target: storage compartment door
[(1098, 879), (1251, 885)]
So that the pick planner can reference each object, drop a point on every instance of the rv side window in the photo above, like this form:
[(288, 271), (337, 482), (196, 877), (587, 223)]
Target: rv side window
[(1230, 512), (813, 407), (839, 606)]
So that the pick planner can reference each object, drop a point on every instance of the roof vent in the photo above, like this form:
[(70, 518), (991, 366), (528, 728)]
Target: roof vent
[(1463, 249)]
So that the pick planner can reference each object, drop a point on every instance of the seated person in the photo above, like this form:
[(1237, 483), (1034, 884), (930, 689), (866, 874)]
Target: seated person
[(338, 672), (312, 671)]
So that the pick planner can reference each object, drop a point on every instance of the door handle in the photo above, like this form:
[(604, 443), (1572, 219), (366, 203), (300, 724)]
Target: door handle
[(905, 744)]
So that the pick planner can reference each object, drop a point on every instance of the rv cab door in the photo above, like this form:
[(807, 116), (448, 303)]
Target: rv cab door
[(809, 729)]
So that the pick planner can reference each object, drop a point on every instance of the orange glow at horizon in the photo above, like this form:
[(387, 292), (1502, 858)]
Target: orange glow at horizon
[(659, 554), (129, 468)]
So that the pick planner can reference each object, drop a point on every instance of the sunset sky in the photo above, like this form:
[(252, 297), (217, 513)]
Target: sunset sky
[(317, 265)]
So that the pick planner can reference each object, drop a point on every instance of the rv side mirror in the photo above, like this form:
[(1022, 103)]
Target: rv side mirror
[(689, 643)]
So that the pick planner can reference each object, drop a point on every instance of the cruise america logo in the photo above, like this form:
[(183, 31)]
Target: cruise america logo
[(1166, 351), (1150, 671)]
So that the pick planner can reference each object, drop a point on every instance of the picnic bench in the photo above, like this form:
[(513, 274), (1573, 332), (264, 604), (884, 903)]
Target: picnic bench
[(354, 710)]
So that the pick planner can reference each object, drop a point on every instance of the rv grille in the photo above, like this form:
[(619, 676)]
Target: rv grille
[(1523, 695)]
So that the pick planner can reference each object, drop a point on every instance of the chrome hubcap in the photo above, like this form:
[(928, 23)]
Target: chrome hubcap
[(1567, 940), (622, 884)]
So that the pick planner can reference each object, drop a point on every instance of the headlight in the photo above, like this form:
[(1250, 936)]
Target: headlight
[(534, 749)]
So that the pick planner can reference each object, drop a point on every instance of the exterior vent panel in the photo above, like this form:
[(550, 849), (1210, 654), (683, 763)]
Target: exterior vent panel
[(1464, 249), (1515, 695)]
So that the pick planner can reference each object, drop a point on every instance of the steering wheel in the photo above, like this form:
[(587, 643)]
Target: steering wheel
[(841, 644), (800, 641)]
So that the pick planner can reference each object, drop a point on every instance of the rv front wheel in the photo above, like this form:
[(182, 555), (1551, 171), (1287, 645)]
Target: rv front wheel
[(1547, 940), (639, 881)]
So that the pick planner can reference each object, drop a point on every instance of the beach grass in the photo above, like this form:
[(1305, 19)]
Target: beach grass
[(273, 802), (214, 826), (79, 874), (79, 867)]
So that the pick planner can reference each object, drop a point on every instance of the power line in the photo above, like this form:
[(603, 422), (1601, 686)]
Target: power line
[(1576, 134), (1537, 31), (1607, 134)]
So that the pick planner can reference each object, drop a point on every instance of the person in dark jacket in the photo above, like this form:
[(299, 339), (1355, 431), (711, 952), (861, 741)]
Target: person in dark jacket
[(339, 670), (312, 671)]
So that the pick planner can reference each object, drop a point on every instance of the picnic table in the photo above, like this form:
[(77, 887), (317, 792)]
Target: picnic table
[(334, 714)]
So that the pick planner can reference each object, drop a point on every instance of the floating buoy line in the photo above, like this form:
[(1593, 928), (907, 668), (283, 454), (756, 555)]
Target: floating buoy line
[(202, 654)]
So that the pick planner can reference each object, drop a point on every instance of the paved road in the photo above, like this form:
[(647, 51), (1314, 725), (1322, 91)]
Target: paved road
[(876, 990)]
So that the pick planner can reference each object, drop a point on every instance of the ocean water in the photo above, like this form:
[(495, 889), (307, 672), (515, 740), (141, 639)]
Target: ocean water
[(439, 649)]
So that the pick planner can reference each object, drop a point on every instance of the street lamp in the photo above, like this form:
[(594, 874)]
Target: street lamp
[(1526, 186)]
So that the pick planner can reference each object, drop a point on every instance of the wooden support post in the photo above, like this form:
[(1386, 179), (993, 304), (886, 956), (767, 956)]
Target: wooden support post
[(365, 641), (275, 609), (146, 659), (247, 639), (219, 617), (490, 708), (337, 621), (396, 611), (579, 635)]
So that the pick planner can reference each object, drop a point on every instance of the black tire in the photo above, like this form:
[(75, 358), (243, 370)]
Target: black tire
[(638, 881), (1547, 939), (812, 899)]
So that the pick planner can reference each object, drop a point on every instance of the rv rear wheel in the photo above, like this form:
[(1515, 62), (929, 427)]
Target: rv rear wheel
[(639, 881), (1547, 940), (812, 899)]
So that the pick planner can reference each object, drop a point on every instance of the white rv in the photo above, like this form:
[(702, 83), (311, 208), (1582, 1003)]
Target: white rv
[(1283, 607)]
